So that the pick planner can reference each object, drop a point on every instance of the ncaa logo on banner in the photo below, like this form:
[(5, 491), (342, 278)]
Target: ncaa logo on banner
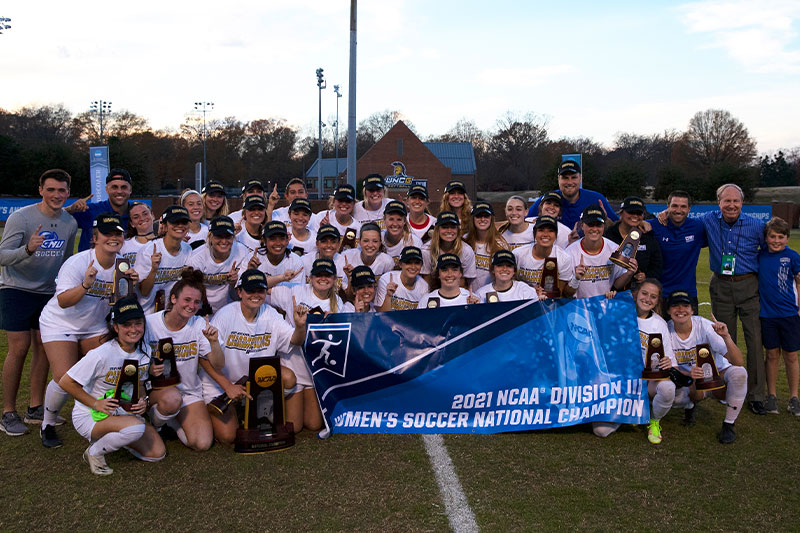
[(327, 346)]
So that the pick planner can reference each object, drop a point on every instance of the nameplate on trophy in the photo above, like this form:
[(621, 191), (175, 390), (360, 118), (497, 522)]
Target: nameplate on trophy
[(264, 428), (549, 282), (348, 240), (165, 355), (127, 390), (627, 249), (711, 379), (655, 353), (220, 404), (123, 285), (492, 297), (433, 302)]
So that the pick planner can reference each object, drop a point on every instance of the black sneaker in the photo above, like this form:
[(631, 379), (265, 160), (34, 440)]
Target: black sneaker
[(689, 418), (50, 437), (727, 435), (757, 407), (771, 405)]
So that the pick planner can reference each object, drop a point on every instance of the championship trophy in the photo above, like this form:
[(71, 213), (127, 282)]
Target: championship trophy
[(492, 297), (264, 428), (427, 236), (655, 352), (627, 250), (220, 404), (298, 250), (349, 240), (711, 379), (123, 285), (160, 302), (433, 302), (316, 310), (165, 355), (550, 278), (127, 391)]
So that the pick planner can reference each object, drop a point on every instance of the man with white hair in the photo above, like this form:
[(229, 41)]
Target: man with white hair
[(734, 241)]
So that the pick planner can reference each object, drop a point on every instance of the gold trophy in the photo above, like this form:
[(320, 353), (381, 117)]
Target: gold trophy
[(264, 428), (711, 379), (627, 249), (127, 390), (123, 285), (655, 353), (550, 278), (165, 354)]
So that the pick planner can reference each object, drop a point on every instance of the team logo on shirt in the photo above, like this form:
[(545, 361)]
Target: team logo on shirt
[(51, 241), (327, 345)]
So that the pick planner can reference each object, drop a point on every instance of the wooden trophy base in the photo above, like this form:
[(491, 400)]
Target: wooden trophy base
[(165, 383), (619, 260), (709, 384), (655, 375), (552, 294), (252, 441)]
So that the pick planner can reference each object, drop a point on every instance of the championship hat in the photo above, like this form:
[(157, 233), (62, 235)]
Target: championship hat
[(345, 192), (447, 260), (274, 227), (504, 257), (374, 182), (175, 213), (447, 218), (410, 253), (254, 201), (569, 167), (362, 275), (592, 215), (213, 187), (300, 204), (482, 208), (679, 297), (545, 220), (222, 226), (418, 189), (253, 279), (633, 204), (323, 266), (326, 231), (395, 207), (252, 184), (107, 223), (126, 309), (455, 185)]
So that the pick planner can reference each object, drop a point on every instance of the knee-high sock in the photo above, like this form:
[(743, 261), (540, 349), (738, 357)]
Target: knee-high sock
[(158, 419), (662, 401), (604, 429), (736, 380), (114, 441), (682, 400), (54, 399)]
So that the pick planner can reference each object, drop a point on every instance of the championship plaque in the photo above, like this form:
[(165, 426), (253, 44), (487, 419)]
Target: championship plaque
[(492, 297), (550, 278), (264, 428), (127, 391), (299, 251), (220, 404), (711, 379), (348, 240), (316, 310), (427, 236), (627, 250), (655, 352), (165, 354), (160, 301), (433, 302), (123, 285)]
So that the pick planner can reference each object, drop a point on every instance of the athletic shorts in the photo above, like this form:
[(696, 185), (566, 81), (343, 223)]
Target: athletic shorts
[(83, 422), (295, 362), (51, 335), (20, 310), (192, 396), (781, 332)]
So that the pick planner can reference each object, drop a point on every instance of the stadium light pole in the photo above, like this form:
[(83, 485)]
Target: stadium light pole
[(336, 128), (321, 83), (351, 100), (100, 107), (204, 107)]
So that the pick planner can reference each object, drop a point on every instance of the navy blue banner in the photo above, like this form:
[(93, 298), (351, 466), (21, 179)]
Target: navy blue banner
[(483, 368)]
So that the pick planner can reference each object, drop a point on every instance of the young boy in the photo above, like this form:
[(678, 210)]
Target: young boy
[(778, 278)]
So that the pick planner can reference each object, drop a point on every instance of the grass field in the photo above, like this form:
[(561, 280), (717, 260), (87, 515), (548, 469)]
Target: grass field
[(551, 480)]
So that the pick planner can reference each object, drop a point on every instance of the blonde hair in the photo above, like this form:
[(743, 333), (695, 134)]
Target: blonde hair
[(436, 245), (494, 240), (407, 237), (221, 210)]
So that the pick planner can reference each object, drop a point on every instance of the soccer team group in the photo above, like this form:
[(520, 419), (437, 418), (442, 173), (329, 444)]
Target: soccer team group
[(227, 286)]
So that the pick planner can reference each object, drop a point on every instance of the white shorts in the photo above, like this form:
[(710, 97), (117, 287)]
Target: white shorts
[(296, 362), (53, 335), (84, 424), (192, 396)]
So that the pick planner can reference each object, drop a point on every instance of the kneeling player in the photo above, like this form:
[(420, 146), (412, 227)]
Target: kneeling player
[(687, 332)]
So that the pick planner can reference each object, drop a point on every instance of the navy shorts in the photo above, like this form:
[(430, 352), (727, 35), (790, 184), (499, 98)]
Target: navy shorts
[(20, 310), (781, 332)]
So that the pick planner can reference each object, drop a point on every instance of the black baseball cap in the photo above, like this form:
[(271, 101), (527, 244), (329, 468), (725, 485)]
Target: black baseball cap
[(552, 196), (633, 204), (253, 279), (679, 297), (374, 182), (275, 227), (410, 253), (395, 207), (362, 275), (126, 309), (482, 208), (299, 204), (345, 192), (175, 213), (592, 215), (455, 185), (213, 187), (254, 201), (569, 167), (447, 260), (418, 189), (504, 257), (107, 223), (545, 220), (447, 217), (252, 184), (222, 226), (326, 231), (118, 174), (323, 266)]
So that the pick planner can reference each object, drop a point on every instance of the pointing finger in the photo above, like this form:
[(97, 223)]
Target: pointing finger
[(582, 263), (207, 322), (38, 229), (154, 247), (233, 267), (88, 197), (294, 302)]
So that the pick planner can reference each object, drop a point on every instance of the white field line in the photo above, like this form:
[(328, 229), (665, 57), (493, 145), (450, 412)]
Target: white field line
[(461, 517)]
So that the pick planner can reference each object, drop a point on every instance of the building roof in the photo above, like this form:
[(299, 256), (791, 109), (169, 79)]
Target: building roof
[(458, 157), (328, 167)]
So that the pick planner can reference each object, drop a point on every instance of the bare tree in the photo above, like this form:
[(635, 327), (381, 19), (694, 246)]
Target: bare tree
[(715, 136)]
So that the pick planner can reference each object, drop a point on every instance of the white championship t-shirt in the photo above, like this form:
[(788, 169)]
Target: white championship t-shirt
[(363, 215), (215, 275), (403, 298), (461, 299), (655, 324), (188, 344), (168, 273), (517, 291), (529, 269), (600, 273), (702, 333), (515, 240), (467, 257)]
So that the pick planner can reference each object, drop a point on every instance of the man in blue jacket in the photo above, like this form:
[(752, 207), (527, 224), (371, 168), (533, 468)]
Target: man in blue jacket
[(118, 188)]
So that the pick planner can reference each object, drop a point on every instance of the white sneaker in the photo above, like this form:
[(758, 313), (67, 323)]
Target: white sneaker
[(97, 464)]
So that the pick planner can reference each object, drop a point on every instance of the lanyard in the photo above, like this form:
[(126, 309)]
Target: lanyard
[(738, 234)]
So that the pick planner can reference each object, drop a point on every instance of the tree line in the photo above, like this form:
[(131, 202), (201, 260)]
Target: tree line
[(516, 154)]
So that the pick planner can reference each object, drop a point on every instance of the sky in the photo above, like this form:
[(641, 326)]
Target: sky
[(590, 69)]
